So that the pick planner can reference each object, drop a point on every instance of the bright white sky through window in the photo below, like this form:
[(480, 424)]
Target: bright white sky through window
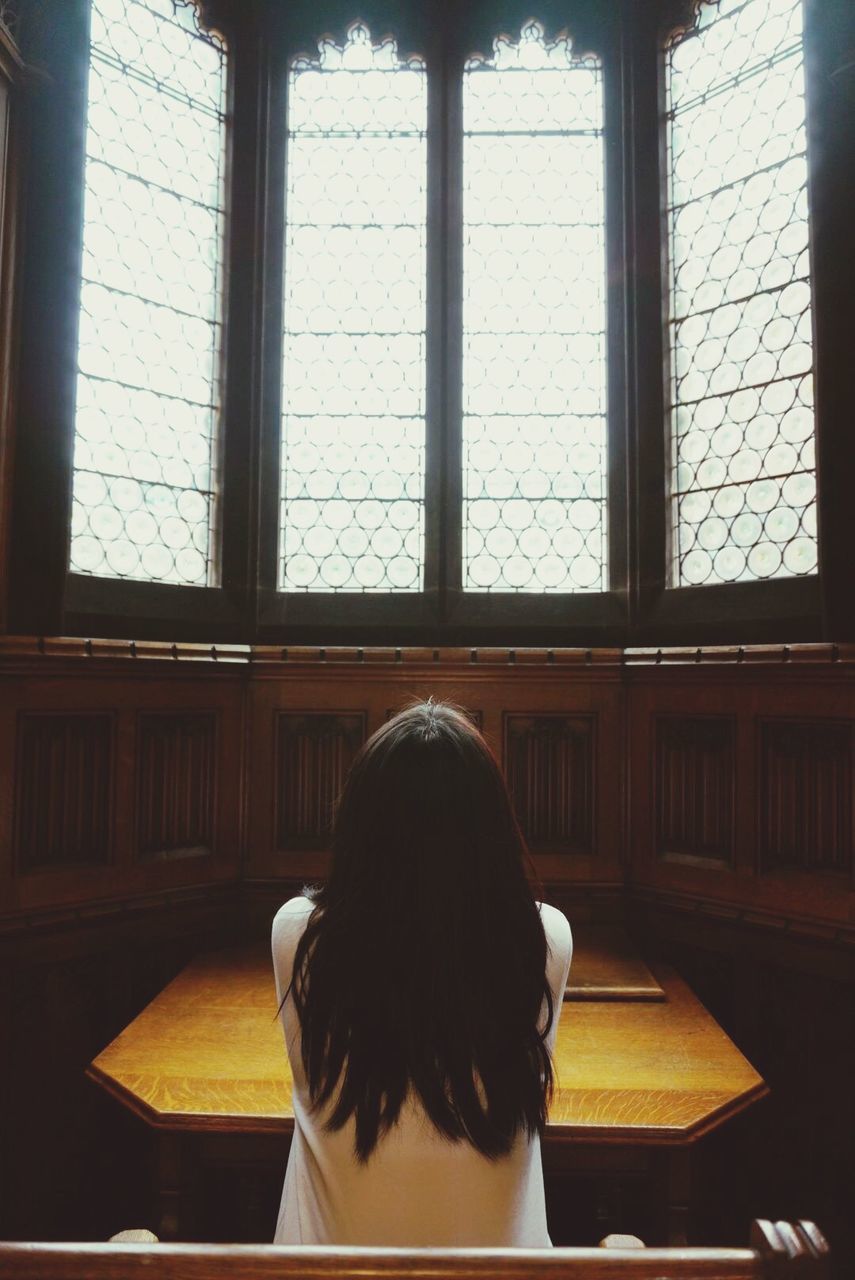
[(743, 485), (147, 413), (353, 382), (534, 346)]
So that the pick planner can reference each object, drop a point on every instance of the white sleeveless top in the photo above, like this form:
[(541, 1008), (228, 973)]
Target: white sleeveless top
[(418, 1189)]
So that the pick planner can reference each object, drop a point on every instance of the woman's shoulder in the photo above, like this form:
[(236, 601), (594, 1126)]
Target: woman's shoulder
[(288, 925), (295, 907), (556, 926), (291, 917)]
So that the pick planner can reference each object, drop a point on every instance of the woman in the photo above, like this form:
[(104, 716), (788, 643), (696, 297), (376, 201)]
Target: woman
[(420, 989)]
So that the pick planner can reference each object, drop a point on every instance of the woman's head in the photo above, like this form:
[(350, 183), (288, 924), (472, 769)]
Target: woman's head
[(425, 811), (423, 965)]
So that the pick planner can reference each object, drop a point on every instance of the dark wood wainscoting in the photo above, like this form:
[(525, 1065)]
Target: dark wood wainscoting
[(741, 782), (788, 1002), (73, 1165)]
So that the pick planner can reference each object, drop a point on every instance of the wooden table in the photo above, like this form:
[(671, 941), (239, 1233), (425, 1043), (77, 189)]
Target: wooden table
[(643, 1072)]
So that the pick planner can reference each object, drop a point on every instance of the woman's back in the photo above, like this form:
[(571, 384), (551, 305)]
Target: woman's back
[(418, 1188)]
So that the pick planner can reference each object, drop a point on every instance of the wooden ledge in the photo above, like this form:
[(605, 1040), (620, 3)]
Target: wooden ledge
[(778, 1249), (271, 1262), (145, 651)]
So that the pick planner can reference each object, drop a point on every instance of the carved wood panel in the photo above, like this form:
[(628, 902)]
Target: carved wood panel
[(549, 766), (314, 750), (694, 787), (805, 795), (63, 790), (176, 783)]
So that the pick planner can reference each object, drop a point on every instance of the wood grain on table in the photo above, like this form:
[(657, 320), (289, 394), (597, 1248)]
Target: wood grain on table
[(208, 1054)]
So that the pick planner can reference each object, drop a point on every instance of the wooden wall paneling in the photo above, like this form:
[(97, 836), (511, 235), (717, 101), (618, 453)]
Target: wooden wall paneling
[(176, 784), (297, 714), (565, 729), (69, 987), (48, 768), (314, 752), (754, 696), (367, 688), (804, 799), (187, 777), (805, 1046), (243, 699), (789, 1005), (632, 698), (587, 700), (142, 695), (802, 762), (488, 686), (550, 767), (64, 797), (689, 761), (693, 789)]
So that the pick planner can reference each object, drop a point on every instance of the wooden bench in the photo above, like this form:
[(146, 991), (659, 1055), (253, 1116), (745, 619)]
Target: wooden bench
[(779, 1251)]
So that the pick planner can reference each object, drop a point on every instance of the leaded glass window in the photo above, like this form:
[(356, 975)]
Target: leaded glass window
[(534, 353), (148, 397), (423, 439), (743, 492), (353, 385)]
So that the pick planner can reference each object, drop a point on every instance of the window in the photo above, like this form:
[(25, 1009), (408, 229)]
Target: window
[(496, 324), (534, 355), (147, 402), (743, 491), (353, 385)]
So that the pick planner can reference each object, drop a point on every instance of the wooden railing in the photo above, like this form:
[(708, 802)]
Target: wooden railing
[(779, 1251)]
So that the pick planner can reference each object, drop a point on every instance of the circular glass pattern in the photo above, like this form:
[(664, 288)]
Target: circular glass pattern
[(352, 456), (740, 297), (150, 320), (534, 428)]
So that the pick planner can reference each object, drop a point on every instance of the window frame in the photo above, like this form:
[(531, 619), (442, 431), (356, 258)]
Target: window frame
[(639, 608), (443, 610), (721, 612)]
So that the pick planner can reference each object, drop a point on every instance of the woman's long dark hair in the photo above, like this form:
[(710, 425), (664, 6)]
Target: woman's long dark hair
[(423, 962)]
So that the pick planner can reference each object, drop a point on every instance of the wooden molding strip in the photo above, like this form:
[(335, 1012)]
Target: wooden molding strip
[(109, 910), (128, 651), (801, 928), (231, 893)]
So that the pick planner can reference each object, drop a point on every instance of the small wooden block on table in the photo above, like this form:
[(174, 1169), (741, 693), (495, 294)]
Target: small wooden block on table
[(606, 966)]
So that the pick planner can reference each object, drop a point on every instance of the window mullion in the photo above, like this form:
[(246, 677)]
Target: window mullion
[(275, 45), (645, 311), (445, 272), (48, 321), (251, 368), (621, 161)]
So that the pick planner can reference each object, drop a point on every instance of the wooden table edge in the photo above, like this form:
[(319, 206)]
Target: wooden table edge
[(557, 1134), (188, 1121)]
